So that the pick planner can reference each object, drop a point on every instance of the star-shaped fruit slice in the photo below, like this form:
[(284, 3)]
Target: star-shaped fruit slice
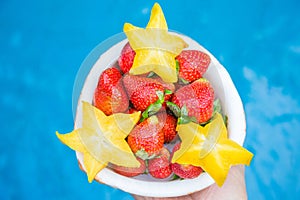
[(155, 47), (102, 139), (209, 148)]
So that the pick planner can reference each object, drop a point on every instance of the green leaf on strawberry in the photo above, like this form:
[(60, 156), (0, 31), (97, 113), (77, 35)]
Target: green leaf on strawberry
[(174, 108), (177, 66), (185, 118), (151, 110), (176, 177), (184, 111), (183, 81), (167, 92), (217, 106), (160, 96), (151, 75), (218, 109), (181, 114), (144, 155), (156, 106)]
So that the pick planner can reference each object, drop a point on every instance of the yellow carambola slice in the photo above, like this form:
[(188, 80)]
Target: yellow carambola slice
[(209, 148), (102, 139), (155, 48)]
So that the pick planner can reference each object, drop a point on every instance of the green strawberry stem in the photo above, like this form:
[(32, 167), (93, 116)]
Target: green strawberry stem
[(151, 110), (177, 67), (174, 108), (182, 113), (161, 96), (151, 75), (156, 106), (217, 106), (144, 155), (183, 81), (167, 92), (175, 177), (218, 109)]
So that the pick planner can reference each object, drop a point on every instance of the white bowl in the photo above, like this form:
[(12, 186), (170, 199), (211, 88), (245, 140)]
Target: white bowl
[(144, 185)]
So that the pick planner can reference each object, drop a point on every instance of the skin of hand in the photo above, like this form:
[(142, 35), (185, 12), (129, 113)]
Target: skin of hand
[(234, 188)]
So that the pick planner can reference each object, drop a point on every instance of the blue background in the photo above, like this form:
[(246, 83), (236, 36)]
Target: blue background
[(43, 43)]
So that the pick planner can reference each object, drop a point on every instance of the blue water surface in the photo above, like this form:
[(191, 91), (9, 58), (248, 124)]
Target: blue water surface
[(43, 43)]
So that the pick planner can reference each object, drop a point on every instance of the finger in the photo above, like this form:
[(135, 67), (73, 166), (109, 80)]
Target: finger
[(234, 187)]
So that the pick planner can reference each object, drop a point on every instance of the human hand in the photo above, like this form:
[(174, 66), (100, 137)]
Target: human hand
[(234, 188)]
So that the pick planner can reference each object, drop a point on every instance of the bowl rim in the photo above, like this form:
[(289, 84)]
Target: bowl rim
[(233, 109)]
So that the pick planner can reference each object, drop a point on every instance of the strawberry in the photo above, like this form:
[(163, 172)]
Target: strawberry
[(143, 91), (110, 96), (185, 171), (192, 64), (160, 166), (109, 79), (126, 58), (130, 171), (169, 123), (111, 103), (146, 96), (147, 138), (195, 101), (167, 86)]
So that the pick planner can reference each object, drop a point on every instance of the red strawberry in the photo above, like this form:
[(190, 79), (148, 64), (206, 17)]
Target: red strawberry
[(169, 123), (197, 98), (147, 138), (192, 64), (146, 96), (160, 166), (130, 171), (110, 96), (185, 171), (109, 79), (167, 86), (111, 103), (142, 91), (126, 59)]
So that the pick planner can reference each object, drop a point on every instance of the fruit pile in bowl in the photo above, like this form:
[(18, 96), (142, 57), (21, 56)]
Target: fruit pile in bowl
[(158, 115), (162, 106)]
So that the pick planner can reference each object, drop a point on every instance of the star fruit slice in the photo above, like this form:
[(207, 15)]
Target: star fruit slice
[(210, 148), (155, 47), (102, 139)]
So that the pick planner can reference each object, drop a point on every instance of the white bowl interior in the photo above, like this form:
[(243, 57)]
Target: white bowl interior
[(145, 186)]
